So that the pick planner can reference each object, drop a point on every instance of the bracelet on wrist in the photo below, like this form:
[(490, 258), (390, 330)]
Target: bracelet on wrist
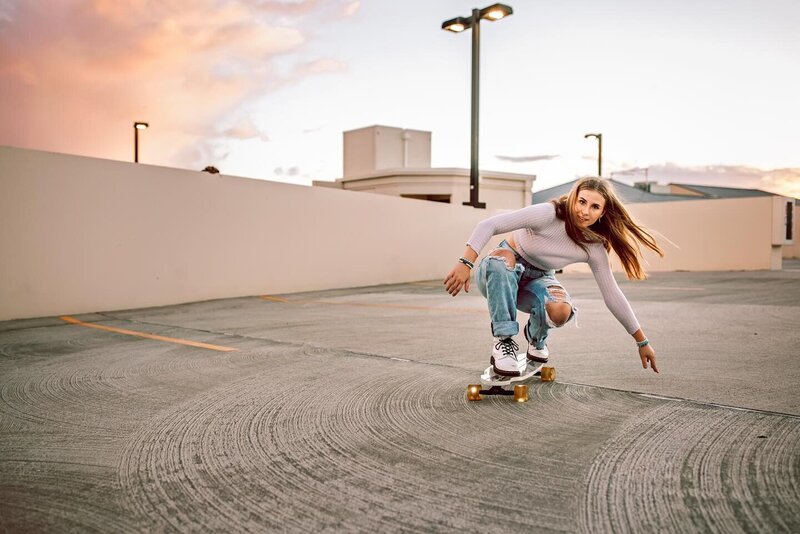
[(643, 343), (466, 262)]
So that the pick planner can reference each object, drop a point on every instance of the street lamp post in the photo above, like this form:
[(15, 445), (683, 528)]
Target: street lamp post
[(457, 25), (136, 127), (599, 137)]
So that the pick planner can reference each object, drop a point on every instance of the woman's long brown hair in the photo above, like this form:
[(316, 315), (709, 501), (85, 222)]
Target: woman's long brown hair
[(615, 229)]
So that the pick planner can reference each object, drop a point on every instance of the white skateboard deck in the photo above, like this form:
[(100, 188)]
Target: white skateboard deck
[(490, 378)]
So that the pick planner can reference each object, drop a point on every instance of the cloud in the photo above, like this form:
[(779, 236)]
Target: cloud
[(352, 8), (525, 159), (6, 12), (245, 129), (784, 181), (76, 74), (318, 66), (291, 171)]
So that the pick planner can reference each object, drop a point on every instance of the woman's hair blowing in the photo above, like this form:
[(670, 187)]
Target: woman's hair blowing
[(616, 230)]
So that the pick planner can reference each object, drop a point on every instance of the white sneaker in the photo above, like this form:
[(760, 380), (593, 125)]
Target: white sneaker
[(534, 354), (538, 355), (504, 357)]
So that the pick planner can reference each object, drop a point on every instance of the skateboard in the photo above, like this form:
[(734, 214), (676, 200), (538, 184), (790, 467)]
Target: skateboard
[(505, 385)]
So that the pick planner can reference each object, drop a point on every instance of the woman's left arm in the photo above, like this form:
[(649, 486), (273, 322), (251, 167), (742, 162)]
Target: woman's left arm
[(618, 305), (646, 352)]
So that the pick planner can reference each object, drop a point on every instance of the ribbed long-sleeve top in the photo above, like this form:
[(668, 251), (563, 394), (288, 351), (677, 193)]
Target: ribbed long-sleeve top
[(542, 239)]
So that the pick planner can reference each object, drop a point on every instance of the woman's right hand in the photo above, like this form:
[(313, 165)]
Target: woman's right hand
[(457, 278)]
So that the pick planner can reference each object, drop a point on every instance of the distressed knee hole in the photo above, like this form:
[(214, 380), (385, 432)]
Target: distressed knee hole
[(558, 293), (504, 255)]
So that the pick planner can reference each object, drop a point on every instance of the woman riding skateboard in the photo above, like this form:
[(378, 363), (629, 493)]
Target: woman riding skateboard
[(582, 226)]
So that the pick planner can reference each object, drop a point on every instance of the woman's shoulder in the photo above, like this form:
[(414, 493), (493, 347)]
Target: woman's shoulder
[(543, 209), (540, 216), (597, 252)]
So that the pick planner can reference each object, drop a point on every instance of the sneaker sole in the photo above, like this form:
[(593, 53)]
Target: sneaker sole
[(501, 372), (505, 373)]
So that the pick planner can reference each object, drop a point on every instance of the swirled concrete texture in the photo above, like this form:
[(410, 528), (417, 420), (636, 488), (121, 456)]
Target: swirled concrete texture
[(346, 411)]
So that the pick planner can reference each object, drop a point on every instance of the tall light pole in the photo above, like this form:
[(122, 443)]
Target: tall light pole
[(457, 25), (599, 137), (136, 127)]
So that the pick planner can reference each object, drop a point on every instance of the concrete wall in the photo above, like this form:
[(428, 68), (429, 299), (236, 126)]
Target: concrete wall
[(714, 234), (81, 235)]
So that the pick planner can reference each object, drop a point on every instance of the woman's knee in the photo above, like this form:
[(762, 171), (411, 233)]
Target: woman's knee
[(558, 310)]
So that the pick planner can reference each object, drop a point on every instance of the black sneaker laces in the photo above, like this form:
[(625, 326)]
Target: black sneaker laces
[(508, 346)]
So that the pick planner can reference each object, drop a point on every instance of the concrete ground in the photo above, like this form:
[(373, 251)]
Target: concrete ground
[(346, 411)]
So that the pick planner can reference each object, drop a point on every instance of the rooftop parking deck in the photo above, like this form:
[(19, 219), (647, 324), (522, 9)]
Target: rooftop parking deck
[(345, 410)]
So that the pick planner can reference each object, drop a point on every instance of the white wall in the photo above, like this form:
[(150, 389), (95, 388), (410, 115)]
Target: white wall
[(82, 234)]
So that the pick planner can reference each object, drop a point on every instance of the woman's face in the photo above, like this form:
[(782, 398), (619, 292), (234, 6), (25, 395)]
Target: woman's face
[(588, 207)]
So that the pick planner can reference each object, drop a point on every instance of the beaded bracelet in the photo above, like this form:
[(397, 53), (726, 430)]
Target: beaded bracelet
[(466, 262), (642, 343)]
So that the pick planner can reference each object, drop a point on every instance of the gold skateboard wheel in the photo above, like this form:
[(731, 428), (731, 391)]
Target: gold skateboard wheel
[(548, 374), (474, 392), (521, 393)]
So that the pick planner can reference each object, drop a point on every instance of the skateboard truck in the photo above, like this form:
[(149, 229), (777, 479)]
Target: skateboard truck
[(520, 392)]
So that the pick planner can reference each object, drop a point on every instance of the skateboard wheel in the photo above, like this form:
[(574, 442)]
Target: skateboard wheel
[(521, 393), (474, 392), (548, 374)]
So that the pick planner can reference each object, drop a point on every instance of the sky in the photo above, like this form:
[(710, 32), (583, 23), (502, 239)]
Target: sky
[(694, 91)]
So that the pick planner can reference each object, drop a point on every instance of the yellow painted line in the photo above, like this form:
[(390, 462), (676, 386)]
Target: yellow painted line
[(371, 305), (273, 299), (75, 321)]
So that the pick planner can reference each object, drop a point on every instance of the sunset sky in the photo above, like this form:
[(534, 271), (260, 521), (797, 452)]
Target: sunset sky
[(698, 91)]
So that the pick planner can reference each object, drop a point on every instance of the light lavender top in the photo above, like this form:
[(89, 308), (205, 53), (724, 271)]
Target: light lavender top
[(542, 239)]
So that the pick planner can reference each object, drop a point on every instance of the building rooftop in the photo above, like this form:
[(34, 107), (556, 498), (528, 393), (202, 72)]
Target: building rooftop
[(724, 192), (627, 193), (633, 194)]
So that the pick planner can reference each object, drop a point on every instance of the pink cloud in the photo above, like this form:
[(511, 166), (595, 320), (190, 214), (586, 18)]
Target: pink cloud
[(782, 181), (245, 129), (76, 74)]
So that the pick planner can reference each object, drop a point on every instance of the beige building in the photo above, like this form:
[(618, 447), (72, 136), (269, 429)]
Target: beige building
[(397, 162)]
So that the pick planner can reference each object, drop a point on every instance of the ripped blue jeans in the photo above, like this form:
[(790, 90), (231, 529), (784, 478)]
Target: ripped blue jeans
[(524, 288)]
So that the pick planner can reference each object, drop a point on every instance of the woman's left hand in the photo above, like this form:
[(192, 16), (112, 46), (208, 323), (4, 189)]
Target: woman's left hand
[(647, 354)]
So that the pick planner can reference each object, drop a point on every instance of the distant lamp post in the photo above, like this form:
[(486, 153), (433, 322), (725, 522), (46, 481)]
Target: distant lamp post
[(599, 137), (458, 25), (136, 127)]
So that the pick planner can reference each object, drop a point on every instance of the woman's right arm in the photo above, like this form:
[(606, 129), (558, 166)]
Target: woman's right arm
[(459, 276), (532, 217), (528, 217)]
